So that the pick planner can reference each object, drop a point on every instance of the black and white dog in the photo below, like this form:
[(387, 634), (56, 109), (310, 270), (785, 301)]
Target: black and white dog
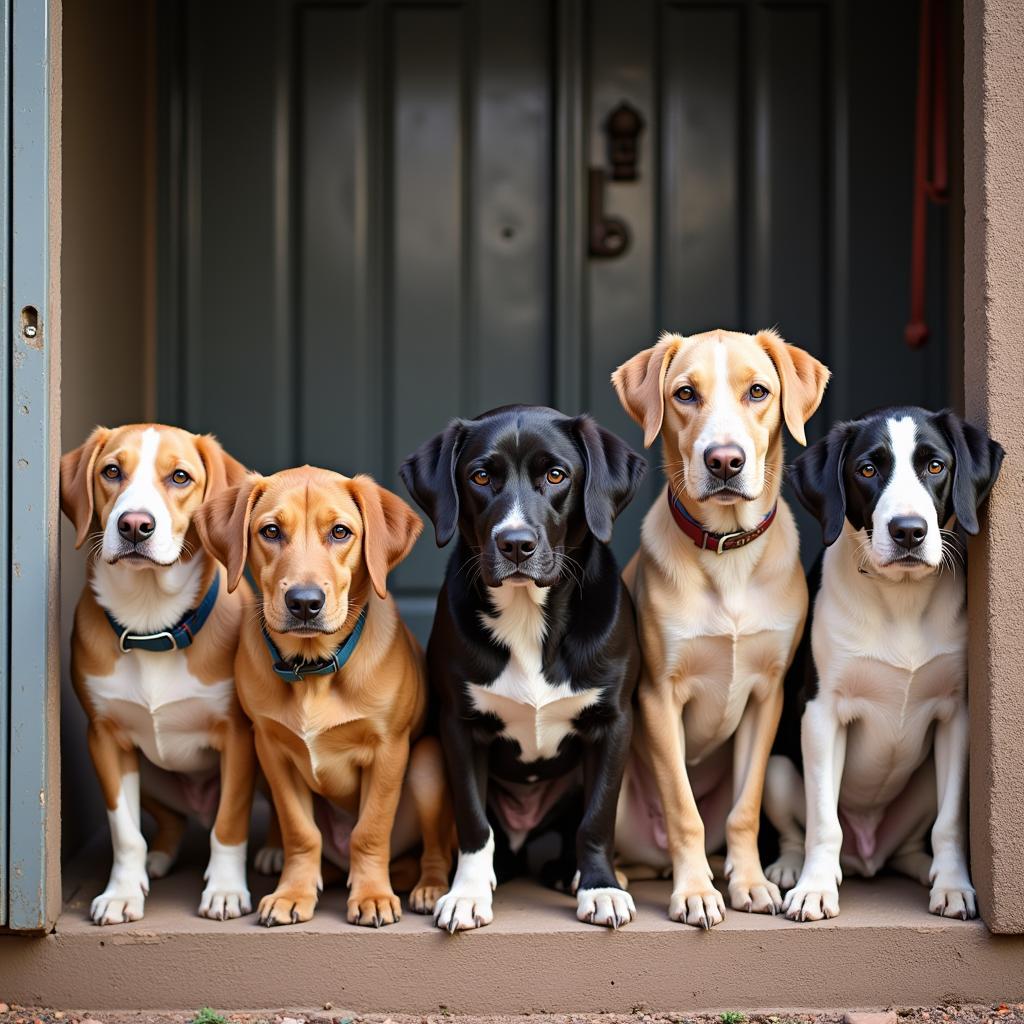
[(533, 653), (884, 732)]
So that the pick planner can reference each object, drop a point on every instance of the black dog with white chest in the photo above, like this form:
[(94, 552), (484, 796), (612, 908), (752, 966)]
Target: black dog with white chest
[(533, 653), (876, 704)]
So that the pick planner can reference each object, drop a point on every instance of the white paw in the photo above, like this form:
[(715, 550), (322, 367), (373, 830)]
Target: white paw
[(953, 898), (158, 863), (697, 903), (459, 910), (227, 893), (123, 901), (269, 860), (786, 870), (609, 907), (815, 896), (221, 904)]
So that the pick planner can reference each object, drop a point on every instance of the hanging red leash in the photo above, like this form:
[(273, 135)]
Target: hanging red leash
[(931, 171)]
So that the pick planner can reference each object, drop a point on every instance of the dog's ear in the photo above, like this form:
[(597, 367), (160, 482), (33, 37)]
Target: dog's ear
[(803, 381), (429, 474), (978, 460), (222, 523), (390, 528), (76, 483), (640, 385), (818, 481), (222, 470), (614, 472)]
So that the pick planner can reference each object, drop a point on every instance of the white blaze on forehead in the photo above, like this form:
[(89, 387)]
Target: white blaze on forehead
[(515, 520), (724, 423), (144, 494), (905, 495)]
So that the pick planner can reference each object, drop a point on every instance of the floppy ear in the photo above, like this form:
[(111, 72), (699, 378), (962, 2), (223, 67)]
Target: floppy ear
[(978, 460), (222, 471), (817, 479), (390, 528), (429, 474), (76, 483), (803, 381), (614, 472), (640, 385), (223, 525)]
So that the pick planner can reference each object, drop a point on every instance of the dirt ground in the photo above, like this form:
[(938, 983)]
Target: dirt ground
[(1012, 1013)]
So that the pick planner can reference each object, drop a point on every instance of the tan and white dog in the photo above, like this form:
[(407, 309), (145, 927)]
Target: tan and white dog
[(152, 660), (721, 601)]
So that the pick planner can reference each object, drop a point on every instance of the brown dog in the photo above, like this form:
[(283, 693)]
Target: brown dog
[(721, 602), (152, 660), (335, 685)]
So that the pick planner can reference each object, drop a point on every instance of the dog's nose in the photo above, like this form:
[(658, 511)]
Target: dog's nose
[(724, 460), (136, 526), (517, 544), (908, 531), (304, 603)]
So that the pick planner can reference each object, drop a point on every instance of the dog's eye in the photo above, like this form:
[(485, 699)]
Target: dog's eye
[(112, 472), (867, 470), (480, 477), (180, 477), (270, 532), (935, 467), (758, 392), (340, 532), (556, 475), (686, 394)]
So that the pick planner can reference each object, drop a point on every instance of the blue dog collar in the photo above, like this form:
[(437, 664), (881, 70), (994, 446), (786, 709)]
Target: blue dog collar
[(178, 637), (294, 673)]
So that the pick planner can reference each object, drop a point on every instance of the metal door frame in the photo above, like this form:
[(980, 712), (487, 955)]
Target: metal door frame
[(29, 862)]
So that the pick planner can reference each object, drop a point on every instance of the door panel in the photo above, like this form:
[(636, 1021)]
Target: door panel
[(371, 242)]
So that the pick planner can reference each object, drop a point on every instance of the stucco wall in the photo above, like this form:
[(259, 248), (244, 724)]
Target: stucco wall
[(106, 274), (994, 370)]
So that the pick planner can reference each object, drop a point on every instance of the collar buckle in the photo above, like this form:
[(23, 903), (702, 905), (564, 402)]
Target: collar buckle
[(145, 638), (722, 538)]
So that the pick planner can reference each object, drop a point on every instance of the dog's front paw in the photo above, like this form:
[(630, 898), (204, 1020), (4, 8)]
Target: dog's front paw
[(815, 896), (461, 909), (697, 902), (123, 900), (609, 907), (425, 894), (786, 870), (953, 898), (227, 892), (222, 902), (287, 906), (269, 860), (373, 909), (754, 894)]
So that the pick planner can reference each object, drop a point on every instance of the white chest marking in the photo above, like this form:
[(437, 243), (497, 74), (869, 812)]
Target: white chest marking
[(537, 714), (167, 712)]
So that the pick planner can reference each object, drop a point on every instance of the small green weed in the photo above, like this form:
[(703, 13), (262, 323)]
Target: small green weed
[(732, 1017), (208, 1016)]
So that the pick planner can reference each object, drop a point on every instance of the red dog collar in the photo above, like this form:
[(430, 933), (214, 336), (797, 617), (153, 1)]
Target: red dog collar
[(717, 542)]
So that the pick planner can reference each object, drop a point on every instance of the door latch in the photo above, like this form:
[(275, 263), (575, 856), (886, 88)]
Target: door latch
[(610, 236)]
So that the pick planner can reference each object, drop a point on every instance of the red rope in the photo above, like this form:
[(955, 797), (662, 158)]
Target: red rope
[(931, 183)]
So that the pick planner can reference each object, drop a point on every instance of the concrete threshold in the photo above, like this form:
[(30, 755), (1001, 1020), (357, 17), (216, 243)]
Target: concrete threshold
[(884, 949)]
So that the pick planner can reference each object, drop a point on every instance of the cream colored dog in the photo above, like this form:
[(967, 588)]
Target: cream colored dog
[(721, 601)]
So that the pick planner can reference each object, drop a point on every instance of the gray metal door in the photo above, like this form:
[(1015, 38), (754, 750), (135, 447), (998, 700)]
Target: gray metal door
[(375, 214), (28, 684)]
